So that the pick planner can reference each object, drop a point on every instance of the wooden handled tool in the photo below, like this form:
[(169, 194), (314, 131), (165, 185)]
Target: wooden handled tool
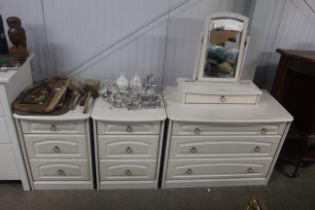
[(91, 87)]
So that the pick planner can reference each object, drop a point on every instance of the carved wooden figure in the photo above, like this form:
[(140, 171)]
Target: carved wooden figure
[(17, 37)]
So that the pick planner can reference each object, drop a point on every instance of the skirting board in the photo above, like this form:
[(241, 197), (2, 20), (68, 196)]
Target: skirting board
[(63, 185), (106, 185), (214, 183)]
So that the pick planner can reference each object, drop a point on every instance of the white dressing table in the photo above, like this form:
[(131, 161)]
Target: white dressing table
[(222, 144)]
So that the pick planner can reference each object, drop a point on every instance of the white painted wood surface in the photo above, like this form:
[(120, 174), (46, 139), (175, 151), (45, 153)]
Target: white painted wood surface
[(11, 161), (128, 146), (222, 145)]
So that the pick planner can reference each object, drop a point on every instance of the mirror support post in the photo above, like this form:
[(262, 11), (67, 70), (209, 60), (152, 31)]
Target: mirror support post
[(247, 40), (196, 68)]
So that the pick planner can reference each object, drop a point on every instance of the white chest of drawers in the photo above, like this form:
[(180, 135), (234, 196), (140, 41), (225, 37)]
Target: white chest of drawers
[(11, 161), (222, 145), (57, 150), (128, 146)]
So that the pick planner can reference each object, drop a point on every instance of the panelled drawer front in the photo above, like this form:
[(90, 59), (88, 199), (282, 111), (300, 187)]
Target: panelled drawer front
[(8, 165), (228, 129), (218, 168), (66, 127), (220, 99), (135, 146), (147, 128), (127, 170), (61, 170), (56, 146), (4, 132), (216, 146)]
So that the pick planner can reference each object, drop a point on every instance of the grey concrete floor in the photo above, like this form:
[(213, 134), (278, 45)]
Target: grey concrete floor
[(282, 193)]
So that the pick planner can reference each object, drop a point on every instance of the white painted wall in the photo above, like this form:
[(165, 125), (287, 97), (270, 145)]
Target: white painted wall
[(290, 24), (101, 38)]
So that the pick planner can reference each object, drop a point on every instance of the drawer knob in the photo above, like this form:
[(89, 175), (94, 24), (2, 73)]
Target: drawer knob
[(53, 127), (128, 172), (250, 170), (197, 131), (128, 150), (57, 149), (61, 172), (129, 129), (193, 150), (222, 99), (263, 131), (257, 149), (189, 171)]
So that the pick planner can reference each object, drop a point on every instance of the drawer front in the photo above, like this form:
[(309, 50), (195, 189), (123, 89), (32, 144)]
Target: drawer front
[(8, 166), (147, 128), (226, 129), (218, 168), (66, 127), (215, 146), (127, 170), (56, 146), (4, 132), (220, 99), (128, 146), (61, 170)]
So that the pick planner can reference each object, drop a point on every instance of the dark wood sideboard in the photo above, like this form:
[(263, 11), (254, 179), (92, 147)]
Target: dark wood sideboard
[(294, 88)]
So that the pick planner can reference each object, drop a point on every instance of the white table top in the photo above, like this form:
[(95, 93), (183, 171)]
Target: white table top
[(267, 110), (103, 112), (76, 114)]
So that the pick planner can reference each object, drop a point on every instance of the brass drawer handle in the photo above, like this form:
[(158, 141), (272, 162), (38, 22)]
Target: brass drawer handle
[(189, 171), (193, 150), (61, 172), (250, 170), (53, 127), (57, 149), (263, 131), (197, 131), (128, 172), (128, 150), (257, 149), (222, 99), (129, 129)]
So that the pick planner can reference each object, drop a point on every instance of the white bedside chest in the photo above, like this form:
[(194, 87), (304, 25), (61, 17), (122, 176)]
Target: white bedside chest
[(222, 144), (11, 161), (128, 146), (57, 150)]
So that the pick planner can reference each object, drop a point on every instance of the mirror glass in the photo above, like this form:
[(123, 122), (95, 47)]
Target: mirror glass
[(223, 45)]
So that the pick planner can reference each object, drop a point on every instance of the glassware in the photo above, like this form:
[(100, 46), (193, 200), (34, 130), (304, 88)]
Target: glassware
[(122, 82)]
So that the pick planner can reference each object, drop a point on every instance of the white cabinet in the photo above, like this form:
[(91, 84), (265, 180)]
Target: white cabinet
[(128, 146), (57, 150), (222, 145), (11, 162)]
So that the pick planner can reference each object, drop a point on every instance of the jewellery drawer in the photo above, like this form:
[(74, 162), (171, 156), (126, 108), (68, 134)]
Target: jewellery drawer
[(218, 168), (56, 146), (127, 169), (62, 170), (228, 128), (4, 132), (135, 146), (65, 127), (147, 128), (215, 146), (220, 99)]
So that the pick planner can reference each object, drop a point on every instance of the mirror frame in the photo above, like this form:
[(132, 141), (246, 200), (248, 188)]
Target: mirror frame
[(202, 58)]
